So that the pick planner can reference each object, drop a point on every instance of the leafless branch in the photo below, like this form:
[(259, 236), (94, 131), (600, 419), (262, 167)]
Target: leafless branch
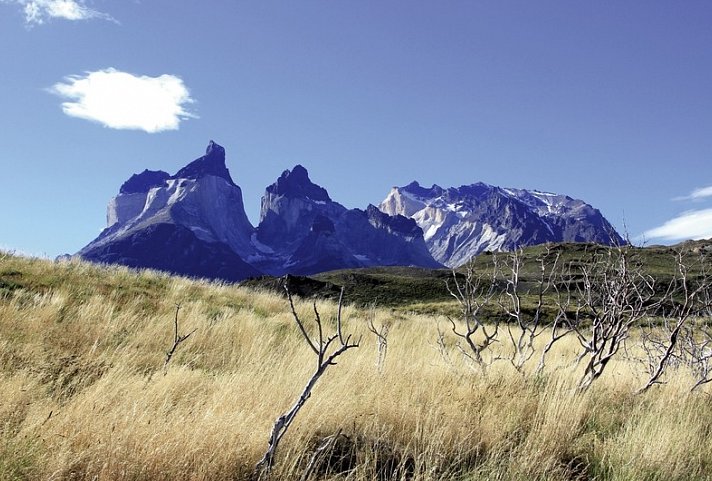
[(604, 297), (177, 340), (473, 293), (678, 340), (684, 301), (441, 346), (324, 447), (381, 334), (525, 327), (325, 357)]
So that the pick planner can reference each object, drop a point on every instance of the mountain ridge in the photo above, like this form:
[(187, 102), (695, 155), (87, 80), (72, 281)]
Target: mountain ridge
[(460, 222), (302, 230)]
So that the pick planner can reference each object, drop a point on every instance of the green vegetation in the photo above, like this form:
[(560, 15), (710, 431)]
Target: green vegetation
[(411, 289)]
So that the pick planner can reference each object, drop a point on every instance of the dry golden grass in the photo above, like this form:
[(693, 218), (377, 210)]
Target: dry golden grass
[(84, 395)]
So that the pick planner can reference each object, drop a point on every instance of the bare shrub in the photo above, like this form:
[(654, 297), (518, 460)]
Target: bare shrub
[(327, 349), (177, 340), (526, 325), (495, 308), (678, 340), (602, 299), (381, 334), (475, 292)]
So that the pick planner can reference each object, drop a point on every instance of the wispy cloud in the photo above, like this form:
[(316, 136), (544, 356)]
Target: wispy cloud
[(38, 12), (697, 194), (693, 224), (120, 100)]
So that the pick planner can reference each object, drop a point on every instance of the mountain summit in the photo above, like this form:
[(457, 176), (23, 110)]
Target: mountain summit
[(296, 183), (461, 222), (191, 223), (303, 231), (212, 163), (194, 223)]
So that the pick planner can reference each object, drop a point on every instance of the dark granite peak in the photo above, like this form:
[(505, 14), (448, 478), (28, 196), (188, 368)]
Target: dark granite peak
[(295, 183), (416, 189), (212, 163), (214, 148), (478, 190), (397, 223), (143, 182)]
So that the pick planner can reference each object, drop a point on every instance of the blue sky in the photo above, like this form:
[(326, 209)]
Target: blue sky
[(610, 102)]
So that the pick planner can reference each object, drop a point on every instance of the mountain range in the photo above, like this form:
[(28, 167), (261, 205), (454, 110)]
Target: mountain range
[(464, 221), (194, 223)]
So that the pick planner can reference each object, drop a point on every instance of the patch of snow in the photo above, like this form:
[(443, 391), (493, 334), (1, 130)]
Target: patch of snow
[(182, 186), (431, 231), (201, 233), (259, 245), (197, 230), (551, 231)]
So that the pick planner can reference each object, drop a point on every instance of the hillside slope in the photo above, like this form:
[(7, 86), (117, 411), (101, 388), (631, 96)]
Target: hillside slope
[(85, 395)]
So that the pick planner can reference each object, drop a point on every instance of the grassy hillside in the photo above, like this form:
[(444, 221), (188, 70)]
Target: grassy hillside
[(411, 289), (85, 397), (396, 287)]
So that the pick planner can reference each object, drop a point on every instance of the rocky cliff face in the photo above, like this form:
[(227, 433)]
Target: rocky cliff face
[(303, 231), (194, 223), (289, 208), (172, 248), (200, 207), (459, 223)]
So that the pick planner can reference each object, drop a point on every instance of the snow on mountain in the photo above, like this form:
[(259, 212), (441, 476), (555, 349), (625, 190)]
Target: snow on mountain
[(194, 223), (199, 206), (461, 222), (307, 232)]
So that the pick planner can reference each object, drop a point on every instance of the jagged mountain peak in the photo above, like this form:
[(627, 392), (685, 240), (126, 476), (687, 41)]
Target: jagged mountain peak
[(459, 222), (197, 213), (477, 190), (417, 190), (216, 149), (394, 223), (296, 183), (212, 163), (299, 171), (143, 182)]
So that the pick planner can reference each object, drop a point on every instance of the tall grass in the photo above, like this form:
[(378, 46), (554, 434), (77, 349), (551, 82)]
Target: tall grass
[(84, 396)]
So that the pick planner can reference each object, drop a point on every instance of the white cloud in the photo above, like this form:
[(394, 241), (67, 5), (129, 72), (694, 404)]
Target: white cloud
[(694, 224), (701, 193), (121, 100), (697, 194), (38, 12)]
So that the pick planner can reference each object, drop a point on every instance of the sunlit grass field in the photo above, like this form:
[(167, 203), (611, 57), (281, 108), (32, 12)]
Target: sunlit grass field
[(84, 394)]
